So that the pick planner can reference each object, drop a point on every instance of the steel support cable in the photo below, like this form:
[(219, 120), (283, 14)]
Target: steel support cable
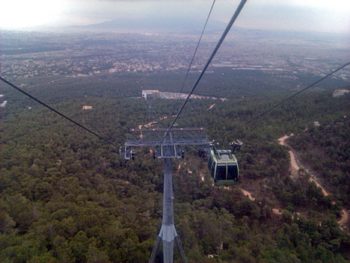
[(221, 40), (102, 138), (196, 49), (297, 93)]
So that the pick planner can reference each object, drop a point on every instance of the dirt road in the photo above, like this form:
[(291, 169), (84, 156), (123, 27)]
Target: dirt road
[(295, 166), (247, 194), (344, 218), (211, 106)]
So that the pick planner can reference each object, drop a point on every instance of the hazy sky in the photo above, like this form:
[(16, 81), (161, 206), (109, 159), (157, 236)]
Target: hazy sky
[(294, 15)]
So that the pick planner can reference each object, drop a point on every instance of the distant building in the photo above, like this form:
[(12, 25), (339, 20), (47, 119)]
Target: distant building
[(340, 92), (174, 96), (3, 104), (87, 107), (150, 93), (146, 94)]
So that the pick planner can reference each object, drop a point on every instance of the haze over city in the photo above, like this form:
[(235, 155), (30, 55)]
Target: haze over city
[(289, 15)]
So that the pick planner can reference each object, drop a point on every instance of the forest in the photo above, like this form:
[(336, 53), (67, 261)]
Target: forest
[(326, 150), (67, 197)]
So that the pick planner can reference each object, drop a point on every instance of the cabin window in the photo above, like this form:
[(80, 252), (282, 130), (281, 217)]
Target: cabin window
[(221, 172), (212, 169), (210, 163), (232, 172)]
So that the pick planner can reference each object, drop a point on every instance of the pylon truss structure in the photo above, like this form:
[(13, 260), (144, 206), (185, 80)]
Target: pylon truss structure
[(167, 145)]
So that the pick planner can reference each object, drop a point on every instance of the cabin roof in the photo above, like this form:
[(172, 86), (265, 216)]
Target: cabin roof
[(223, 157)]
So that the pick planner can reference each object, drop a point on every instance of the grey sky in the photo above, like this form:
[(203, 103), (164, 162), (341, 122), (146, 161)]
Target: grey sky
[(294, 15)]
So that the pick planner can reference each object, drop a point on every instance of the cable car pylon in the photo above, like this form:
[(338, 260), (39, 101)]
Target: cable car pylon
[(168, 148), (168, 232)]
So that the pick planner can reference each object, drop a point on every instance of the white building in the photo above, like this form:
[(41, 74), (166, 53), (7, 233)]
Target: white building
[(87, 107), (3, 104), (340, 92), (150, 93)]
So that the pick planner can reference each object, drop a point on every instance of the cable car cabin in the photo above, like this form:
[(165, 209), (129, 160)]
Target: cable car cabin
[(223, 167)]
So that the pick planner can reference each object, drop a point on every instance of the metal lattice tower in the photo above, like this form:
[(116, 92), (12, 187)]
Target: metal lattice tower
[(166, 145)]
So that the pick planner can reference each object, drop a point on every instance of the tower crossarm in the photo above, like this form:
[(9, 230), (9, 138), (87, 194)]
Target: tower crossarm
[(170, 147)]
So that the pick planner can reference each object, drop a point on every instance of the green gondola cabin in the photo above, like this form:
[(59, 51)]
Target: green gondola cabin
[(223, 167)]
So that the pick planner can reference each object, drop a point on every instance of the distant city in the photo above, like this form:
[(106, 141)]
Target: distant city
[(66, 55)]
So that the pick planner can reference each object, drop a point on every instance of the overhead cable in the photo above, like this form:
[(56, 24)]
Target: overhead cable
[(196, 49), (221, 40), (272, 108), (57, 112)]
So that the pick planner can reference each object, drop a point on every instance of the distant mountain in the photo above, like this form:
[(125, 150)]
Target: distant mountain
[(155, 25), (194, 25)]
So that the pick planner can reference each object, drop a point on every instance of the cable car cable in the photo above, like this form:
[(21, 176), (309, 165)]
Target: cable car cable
[(297, 93), (196, 49), (221, 40), (108, 141)]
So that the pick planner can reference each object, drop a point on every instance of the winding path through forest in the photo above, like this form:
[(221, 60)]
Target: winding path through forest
[(247, 194), (295, 166)]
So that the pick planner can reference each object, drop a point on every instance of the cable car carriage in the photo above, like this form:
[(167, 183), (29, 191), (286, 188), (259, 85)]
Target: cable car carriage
[(223, 165)]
